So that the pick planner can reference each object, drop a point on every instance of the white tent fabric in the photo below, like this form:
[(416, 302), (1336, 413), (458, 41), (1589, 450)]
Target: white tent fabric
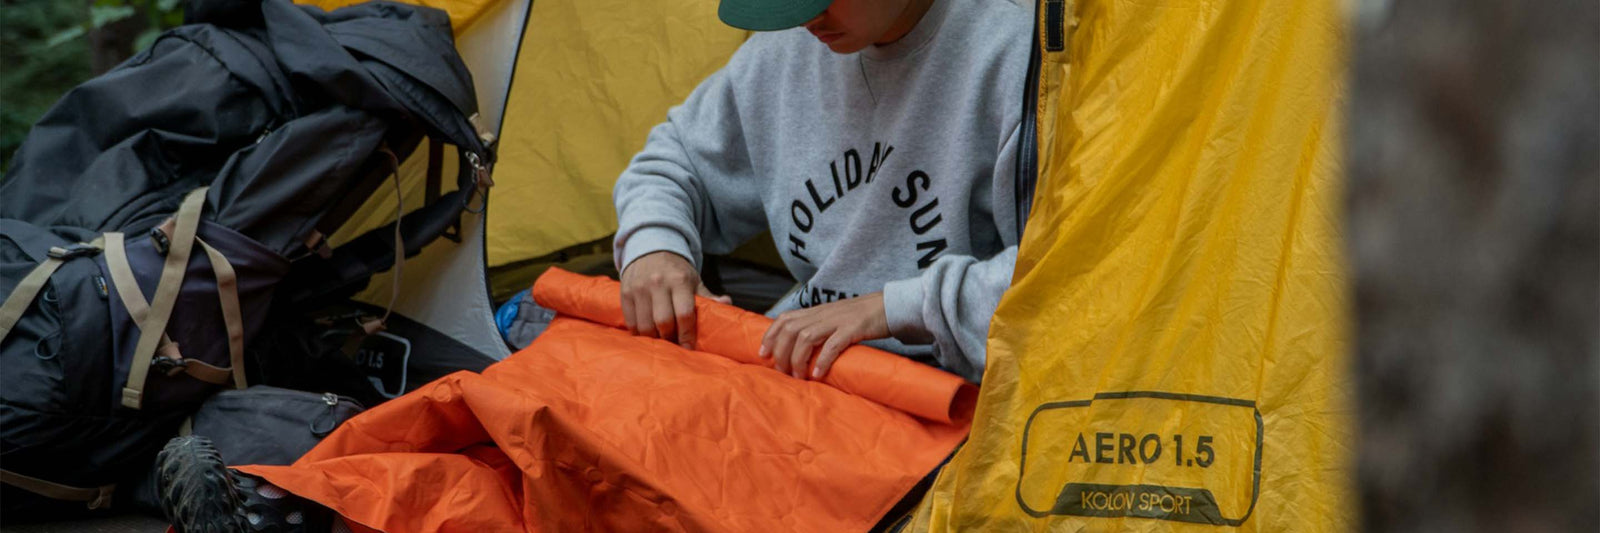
[(446, 286)]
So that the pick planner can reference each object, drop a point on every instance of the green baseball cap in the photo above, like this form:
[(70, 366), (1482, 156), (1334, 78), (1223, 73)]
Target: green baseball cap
[(769, 15)]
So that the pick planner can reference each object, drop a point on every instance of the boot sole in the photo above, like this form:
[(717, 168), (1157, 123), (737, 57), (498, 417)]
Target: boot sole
[(196, 490)]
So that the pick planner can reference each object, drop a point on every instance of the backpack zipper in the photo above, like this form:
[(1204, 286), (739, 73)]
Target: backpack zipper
[(265, 132)]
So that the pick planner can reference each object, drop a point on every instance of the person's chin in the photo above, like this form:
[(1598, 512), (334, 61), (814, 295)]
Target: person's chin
[(844, 46)]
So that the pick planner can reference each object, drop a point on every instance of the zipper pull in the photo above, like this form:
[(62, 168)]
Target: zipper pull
[(330, 398)]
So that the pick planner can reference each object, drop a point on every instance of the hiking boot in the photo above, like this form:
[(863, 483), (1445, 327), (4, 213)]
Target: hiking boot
[(200, 494)]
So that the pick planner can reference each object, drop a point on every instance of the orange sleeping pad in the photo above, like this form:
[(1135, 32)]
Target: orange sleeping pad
[(593, 429)]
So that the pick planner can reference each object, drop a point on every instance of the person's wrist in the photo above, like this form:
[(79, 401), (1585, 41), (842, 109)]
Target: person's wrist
[(879, 316)]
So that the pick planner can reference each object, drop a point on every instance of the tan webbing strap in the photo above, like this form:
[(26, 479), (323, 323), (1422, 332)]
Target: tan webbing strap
[(228, 296), (153, 327), (370, 326), (122, 276), (206, 372), (128, 290), (399, 240), (484, 134), (21, 297), (97, 497), (317, 243)]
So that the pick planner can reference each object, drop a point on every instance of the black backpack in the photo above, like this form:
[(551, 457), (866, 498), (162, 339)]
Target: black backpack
[(153, 215)]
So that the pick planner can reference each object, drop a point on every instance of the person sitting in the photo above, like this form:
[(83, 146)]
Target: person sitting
[(877, 141)]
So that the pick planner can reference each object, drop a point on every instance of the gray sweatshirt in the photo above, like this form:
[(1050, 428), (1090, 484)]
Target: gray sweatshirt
[(891, 170)]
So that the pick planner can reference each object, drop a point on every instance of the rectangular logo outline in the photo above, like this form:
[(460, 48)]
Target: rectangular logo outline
[(1255, 491)]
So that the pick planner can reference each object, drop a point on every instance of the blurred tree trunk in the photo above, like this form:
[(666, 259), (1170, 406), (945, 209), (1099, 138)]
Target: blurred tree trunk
[(1475, 242), (111, 44)]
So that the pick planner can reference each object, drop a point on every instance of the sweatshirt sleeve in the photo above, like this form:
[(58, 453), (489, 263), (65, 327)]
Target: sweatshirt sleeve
[(691, 189), (951, 303)]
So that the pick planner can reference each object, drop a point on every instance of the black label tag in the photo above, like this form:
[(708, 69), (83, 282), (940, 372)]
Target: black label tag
[(1180, 504), (382, 356), (1055, 27)]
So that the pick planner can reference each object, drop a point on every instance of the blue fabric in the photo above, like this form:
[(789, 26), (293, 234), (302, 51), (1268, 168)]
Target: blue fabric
[(507, 314)]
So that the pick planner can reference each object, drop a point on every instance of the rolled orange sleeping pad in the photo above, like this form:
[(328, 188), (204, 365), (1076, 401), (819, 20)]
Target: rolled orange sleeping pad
[(728, 331), (592, 429)]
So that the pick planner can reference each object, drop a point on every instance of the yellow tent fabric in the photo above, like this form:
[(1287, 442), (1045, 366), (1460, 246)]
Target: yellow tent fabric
[(463, 13), (592, 78), (1172, 354)]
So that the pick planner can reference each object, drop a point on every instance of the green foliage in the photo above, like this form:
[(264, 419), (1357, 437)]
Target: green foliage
[(160, 16), (37, 69), (44, 52), (101, 15)]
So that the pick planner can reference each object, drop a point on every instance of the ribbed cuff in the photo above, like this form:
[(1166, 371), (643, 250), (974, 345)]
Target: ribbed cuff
[(649, 240), (902, 305)]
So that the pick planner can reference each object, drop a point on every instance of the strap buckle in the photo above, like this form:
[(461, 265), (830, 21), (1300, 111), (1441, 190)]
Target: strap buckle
[(169, 366), (73, 251), (480, 171), (159, 239), (481, 182)]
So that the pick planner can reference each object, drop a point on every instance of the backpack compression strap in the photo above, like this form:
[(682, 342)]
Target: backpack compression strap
[(153, 325), (125, 283), (188, 219), (228, 296), (21, 297), (96, 497)]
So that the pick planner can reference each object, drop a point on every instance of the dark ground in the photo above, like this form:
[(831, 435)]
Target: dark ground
[(117, 524)]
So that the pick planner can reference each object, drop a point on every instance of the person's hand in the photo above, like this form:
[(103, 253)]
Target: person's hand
[(658, 291), (834, 326)]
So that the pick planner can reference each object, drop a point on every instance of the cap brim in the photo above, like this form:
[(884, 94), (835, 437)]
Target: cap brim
[(769, 15)]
